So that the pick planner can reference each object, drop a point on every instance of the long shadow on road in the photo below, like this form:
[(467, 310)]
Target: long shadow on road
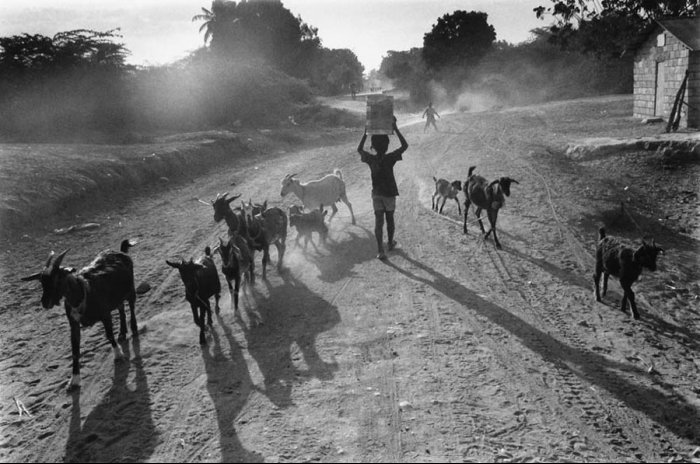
[(121, 427), (284, 347), (666, 408), (229, 386), (343, 255)]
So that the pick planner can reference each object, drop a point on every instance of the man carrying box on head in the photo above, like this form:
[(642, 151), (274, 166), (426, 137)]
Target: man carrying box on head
[(384, 189)]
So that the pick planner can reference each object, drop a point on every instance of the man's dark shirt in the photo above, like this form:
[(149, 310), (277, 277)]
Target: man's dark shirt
[(382, 167)]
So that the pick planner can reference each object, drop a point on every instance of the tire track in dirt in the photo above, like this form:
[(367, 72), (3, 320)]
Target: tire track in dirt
[(616, 385), (445, 354), (573, 391)]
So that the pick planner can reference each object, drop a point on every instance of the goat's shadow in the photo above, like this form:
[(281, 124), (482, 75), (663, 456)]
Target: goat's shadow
[(121, 427), (612, 301), (666, 408), (343, 255), (229, 386), (293, 316), (564, 275)]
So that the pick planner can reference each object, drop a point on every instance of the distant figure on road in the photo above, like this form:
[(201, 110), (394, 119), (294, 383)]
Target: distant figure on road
[(384, 189), (430, 113), (353, 90)]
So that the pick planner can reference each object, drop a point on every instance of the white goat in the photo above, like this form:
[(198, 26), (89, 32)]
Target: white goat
[(316, 193)]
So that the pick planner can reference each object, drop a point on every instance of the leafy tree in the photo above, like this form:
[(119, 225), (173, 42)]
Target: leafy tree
[(333, 71), (216, 21), (403, 66), (407, 70), (458, 39), (65, 50), (568, 11), (609, 27), (258, 30), (72, 82)]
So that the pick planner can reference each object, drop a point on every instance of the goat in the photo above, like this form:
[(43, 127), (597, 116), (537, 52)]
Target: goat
[(237, 227), (90, 295), (488, 196), (201, 282), (326, 191), (445, 189), (306, 223), (611, 257), (223, 211), (266, 226), (235, 265)]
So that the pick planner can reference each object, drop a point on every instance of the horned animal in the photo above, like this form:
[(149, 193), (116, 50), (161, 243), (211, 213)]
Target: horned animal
[(237, 228), (613, 258), (266, 226), (201, 282), (236, 267), (488, 196), (90, 295), (313, 194)]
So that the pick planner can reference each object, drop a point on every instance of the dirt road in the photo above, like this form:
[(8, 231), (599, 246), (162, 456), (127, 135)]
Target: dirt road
[(450, 350)]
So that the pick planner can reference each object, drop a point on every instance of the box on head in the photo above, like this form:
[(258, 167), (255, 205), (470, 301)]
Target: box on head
[(380, 114)]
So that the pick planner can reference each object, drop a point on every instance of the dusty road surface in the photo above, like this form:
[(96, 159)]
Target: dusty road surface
[(450, 350)]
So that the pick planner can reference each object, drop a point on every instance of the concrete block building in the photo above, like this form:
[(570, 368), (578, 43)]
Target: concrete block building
[(660, 65)]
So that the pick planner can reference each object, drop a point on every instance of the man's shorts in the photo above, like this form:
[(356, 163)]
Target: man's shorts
[(382, 203)]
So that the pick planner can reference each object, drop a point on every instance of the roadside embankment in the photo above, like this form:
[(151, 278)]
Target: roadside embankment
[(686, 143), (39, 181)]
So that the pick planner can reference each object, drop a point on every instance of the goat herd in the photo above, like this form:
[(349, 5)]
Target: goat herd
[(612, 258), (91, 294)]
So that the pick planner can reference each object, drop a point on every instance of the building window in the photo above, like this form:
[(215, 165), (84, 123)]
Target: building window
[(661, 40)]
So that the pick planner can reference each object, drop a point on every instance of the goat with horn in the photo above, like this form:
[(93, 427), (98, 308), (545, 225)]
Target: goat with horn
[(90, 295)]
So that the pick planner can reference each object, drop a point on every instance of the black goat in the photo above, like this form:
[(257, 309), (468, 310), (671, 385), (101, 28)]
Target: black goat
[(235, 264), (90, 295), (445, 189), (307, 223), (237, 227), (266, 226), (201, 282), (611, 257), (488, 196)]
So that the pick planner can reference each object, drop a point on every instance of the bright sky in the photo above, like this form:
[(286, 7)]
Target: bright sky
[(161, 31)]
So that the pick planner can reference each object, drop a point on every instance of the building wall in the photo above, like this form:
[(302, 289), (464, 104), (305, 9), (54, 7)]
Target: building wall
[(693, 90), (674, 56)]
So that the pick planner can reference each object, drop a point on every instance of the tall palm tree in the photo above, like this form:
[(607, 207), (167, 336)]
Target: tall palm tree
[(216, 19)]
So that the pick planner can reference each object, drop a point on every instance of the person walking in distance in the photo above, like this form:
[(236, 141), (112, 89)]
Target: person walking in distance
[(384, 189), (430, 113)]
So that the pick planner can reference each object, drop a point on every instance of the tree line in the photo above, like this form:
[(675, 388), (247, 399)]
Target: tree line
[(259, 63), (588, 49)]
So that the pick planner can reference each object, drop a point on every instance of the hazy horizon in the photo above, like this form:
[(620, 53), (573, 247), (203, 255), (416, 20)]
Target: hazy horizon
[(158, 32)]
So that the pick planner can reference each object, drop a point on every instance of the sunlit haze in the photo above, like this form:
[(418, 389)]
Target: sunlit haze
[(160, 31)]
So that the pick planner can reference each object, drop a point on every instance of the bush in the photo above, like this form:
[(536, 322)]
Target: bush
[(86, 104), (321, 115)]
